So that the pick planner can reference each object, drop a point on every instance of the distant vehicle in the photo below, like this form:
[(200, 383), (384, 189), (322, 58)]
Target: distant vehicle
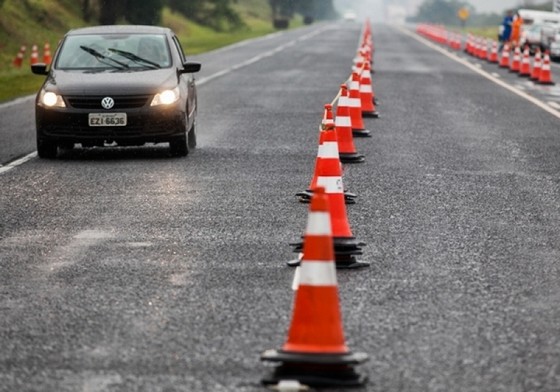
[(350, 16), (554, 45), (532, 19), (535, 17), (531, 36), (127, 85), (550, 38)]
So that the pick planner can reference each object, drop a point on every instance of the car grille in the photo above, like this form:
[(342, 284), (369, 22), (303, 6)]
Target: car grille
[(121, 102)]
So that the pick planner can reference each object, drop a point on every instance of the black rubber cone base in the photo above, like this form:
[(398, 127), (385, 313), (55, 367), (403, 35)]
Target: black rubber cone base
[(345, 251), (351, 157), (361, 133), (370, 114), (546, 83), (316, 370), (305, 197), (349, 262)]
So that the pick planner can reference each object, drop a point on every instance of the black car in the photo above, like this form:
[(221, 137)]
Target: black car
[(125, 85)]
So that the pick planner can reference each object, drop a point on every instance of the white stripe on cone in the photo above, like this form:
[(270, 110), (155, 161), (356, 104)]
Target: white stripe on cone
[(331, 184), (354, 103), (319, 223), (342, 121), (317, 273), (328, 150)]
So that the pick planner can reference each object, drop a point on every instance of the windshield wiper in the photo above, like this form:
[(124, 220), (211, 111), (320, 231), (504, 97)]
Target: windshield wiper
[(101, 57), (133, 57)]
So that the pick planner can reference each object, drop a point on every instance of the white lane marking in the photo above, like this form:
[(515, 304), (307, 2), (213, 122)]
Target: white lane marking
[(554, 104), (483, 73), (494, 74), (199, 82), (17, 162), (260, 57)]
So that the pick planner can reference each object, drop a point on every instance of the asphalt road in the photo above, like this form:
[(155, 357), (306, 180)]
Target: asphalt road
[(128, 270)]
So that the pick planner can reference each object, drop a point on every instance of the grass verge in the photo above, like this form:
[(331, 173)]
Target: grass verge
[(16, 30)]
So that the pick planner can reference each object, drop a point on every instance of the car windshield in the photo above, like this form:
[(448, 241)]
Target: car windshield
[(115, 51)]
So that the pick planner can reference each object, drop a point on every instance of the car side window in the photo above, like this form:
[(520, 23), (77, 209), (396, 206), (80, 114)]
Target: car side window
[(179, 48)]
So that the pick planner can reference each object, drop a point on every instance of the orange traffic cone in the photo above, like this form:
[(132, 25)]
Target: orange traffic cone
[(516, 60), (493, 54), (47, 53), (367, 95), (525, 68), (327, 150), (504, 60), (34, 59), (545, 76), (18, 61), (355, 105), (468, 44), (346, 148), (536, 72), (359, 60), (328, 118), (315, 352), (483, 53), (330, 177)]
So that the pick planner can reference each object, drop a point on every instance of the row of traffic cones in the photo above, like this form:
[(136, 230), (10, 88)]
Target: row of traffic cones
[(514, 59), (34, 57), (539, 72), (315, 353)]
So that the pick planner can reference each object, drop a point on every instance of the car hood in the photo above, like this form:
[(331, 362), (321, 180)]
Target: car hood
[(110, 82)]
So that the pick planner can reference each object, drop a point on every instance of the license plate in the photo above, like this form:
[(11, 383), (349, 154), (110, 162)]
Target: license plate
[(107, 119)]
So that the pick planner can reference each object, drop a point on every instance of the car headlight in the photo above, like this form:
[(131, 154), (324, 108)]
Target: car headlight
[(166, 97), (51, 100)]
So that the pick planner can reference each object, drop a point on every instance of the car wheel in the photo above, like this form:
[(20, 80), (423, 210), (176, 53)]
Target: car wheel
[(192, 137), (178, 146), (46, 148)]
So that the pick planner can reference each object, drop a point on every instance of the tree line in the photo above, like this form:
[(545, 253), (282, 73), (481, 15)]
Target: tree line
[(216, 14), (445, 12)]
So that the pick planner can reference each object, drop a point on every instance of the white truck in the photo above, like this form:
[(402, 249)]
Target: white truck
[(536, 27)]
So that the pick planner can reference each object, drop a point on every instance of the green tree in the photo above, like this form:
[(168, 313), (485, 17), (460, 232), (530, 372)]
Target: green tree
[(441, 11), (319, 9), (217, 14), (146, 12)]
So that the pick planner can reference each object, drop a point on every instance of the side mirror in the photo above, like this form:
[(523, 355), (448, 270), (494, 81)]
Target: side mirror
[(191, 67), (39, 69)]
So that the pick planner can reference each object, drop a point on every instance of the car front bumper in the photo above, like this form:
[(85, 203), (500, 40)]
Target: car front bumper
[(146, 124)]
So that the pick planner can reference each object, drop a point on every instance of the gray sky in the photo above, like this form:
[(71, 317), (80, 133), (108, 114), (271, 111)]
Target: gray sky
[(495, 5), (376, 8)]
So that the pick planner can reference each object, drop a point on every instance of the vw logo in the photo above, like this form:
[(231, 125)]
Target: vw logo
[(107, 103)]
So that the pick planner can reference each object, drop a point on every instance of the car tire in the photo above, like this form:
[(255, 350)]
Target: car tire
[(178, 146), (191, 137), (46, 149)]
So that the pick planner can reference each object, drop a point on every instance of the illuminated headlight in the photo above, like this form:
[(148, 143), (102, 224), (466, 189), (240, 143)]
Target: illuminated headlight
[(166, 97), (50, 99)]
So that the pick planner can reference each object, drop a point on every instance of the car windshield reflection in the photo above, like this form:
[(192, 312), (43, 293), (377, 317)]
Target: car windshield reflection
[(114, 52)]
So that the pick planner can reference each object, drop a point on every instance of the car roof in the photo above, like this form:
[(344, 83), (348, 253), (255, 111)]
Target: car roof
[(120, 29)]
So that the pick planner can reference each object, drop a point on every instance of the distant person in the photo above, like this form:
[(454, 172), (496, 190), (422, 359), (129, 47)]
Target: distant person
[(505, 29), (516, 29)]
